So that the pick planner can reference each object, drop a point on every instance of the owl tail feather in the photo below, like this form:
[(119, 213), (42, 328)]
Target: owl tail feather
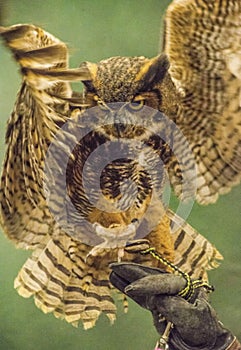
[(194, 254), (63, 283)]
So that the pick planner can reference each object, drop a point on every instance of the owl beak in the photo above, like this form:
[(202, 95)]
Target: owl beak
[(120, 128), (120, 120)]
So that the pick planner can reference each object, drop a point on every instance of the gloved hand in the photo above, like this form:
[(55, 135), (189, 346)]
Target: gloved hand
[(195, 323)]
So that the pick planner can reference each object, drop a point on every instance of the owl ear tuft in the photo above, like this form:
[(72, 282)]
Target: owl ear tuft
[(153, 71), (92, 70)]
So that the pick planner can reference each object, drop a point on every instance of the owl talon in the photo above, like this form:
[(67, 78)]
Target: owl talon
[(120, 254), (95, 251), (86, 282), (137, 245)]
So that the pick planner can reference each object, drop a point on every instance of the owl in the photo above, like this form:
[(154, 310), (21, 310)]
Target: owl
[(84, 174)]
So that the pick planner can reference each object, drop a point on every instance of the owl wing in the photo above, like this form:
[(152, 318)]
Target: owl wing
[(39, 111), (202, 41)]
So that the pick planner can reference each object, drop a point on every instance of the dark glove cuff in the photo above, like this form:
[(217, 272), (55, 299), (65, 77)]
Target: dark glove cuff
[(220, 342)]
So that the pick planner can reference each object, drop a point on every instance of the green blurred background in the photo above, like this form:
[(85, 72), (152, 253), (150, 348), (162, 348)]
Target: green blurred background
[(95, 30)]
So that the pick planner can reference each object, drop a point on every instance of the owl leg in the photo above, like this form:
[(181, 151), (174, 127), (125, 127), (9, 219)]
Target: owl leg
[(161, 239)]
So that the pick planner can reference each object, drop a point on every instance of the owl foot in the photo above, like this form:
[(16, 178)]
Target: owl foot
[(113, 237), (86, 282)]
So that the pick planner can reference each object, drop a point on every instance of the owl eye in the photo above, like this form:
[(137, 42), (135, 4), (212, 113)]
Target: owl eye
[(136, 105)]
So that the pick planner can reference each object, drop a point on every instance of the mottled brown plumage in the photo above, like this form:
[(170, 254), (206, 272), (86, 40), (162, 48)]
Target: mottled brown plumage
[(202, 42), (67, 274)]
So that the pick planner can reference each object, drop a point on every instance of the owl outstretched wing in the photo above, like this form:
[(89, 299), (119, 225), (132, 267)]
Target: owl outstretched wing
[(38, 113), (202, 41)]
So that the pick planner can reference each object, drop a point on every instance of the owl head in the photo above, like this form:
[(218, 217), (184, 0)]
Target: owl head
[(137, 80)]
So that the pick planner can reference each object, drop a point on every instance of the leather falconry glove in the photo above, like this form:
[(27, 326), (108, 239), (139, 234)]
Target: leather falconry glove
[(195, 323)]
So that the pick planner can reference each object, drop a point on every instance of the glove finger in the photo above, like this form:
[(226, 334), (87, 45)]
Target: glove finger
[(120, 283), (156, 284), (132, 272)]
